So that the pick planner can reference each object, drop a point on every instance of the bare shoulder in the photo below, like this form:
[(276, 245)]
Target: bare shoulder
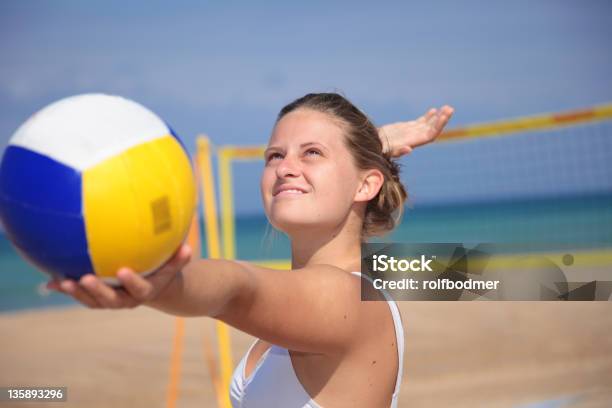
[(377, 321)]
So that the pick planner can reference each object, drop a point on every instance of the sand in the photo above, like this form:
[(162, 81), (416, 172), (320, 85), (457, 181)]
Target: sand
[(459, 354)]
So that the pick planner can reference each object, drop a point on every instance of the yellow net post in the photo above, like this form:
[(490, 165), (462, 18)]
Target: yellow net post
[(227, 202), (175, 363), (212, 239), (172, 396)]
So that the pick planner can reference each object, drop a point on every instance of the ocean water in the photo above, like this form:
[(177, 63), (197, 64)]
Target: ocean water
[(550, 223)]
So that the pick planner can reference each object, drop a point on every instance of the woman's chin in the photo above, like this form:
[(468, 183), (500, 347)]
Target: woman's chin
[(291, 225)]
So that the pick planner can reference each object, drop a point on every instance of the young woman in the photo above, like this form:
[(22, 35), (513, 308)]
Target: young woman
[(328, 183)]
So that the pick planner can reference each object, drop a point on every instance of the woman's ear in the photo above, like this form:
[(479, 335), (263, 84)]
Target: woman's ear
[(371, 183)]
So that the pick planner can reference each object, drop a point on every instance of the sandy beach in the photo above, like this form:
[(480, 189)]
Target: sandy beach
[(460, 354)]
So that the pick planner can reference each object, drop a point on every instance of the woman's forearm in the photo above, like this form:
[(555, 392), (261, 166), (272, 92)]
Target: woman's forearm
[(204, 287)]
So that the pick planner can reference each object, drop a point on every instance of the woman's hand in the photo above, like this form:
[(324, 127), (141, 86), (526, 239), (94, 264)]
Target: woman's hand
[(401, 138), (92, 292)]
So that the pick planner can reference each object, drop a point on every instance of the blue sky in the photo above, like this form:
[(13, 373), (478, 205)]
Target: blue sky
[(226, 68)]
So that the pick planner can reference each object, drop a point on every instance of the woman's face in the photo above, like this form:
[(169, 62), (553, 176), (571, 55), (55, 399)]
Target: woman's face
[(309, 179)]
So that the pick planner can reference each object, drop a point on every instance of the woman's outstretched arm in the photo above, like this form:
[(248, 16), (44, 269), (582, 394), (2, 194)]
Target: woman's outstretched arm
[(180, 287), (316, 309)]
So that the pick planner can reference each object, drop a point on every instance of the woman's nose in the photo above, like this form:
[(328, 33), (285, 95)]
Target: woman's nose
[(288, 167)]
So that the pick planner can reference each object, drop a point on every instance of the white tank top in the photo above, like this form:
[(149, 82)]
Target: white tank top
[(273, 382)]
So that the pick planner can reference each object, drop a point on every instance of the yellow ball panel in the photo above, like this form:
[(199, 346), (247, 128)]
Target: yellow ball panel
[(138, 206)]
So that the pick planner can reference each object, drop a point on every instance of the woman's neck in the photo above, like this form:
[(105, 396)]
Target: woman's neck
[(340, 247)]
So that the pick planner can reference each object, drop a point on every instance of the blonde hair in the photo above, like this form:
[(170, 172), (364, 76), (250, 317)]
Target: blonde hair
[(383, 213)]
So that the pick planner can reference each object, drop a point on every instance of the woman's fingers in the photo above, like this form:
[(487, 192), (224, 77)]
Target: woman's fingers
[(428, 115), (168, 271), (73, 289), (446, 112), (53, 285), (105, 295), (180, 258), (182, 254), (405, 150), (137, 286), (438, 121), (94, 293), (448, 109), (145, 289)]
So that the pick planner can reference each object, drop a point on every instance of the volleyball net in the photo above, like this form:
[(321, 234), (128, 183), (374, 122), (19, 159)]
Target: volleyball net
[(544, 180)]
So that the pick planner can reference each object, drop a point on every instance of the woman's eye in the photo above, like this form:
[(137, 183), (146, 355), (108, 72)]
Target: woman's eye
[(273, 156), (311, 151)]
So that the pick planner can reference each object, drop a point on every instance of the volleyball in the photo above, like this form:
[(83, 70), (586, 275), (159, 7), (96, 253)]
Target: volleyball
[(95, 182)]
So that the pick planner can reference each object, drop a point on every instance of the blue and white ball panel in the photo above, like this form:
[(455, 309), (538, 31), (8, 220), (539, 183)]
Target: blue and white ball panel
[(41, 205), (82, 131)]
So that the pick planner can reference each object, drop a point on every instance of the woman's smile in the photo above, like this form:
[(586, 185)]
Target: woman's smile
[(289, 190), (289, 193)]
